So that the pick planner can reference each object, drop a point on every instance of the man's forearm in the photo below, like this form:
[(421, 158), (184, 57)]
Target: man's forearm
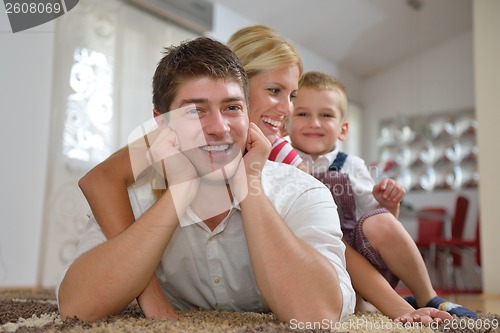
[(296, 281), (107, 278)]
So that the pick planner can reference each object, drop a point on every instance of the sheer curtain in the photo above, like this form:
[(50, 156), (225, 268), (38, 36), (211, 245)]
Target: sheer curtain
[(106, 54)]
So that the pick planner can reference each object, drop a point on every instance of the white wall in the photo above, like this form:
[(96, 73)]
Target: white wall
[(439, 80), (25, 87), (227, 21), (487, 75)]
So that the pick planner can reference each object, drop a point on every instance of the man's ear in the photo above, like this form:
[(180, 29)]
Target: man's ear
[(159, 118), (343, 131)]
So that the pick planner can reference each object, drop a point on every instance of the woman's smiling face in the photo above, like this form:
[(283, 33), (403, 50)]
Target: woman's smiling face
[(271, 98)]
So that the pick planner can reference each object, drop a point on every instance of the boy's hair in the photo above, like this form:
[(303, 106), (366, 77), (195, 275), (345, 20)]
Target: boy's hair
[(261, 49), (200, 57), (323, 81)]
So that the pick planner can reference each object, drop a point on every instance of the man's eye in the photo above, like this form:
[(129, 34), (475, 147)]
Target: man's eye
[(234, 108), (301, 114), (192, 112)]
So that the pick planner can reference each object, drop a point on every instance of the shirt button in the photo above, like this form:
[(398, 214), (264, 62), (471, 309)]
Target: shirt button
[(216, 280)]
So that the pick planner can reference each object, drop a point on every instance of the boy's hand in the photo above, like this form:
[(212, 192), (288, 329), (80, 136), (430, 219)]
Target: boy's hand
[(424, 315), (388, 193)]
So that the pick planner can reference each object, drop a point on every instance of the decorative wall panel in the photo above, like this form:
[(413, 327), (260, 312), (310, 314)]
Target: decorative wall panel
[(437, 151)]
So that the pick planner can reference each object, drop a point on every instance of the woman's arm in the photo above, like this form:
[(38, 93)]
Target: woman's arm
[(105, 188), (105, 279), (106, 185)]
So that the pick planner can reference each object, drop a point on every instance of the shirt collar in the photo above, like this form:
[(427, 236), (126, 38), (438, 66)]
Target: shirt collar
[(192, 218), (323, 162)]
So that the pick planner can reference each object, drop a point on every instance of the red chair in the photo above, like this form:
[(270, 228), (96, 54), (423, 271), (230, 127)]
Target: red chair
[(431, 223), (451, 247), (457, 248)]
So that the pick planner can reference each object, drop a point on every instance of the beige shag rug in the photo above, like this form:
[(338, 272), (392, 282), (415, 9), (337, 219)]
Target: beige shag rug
[(36, 311)]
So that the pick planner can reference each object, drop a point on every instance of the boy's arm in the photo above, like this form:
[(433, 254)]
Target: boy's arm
[(368, 196), (389, 194), (374, 288), (302, 166)]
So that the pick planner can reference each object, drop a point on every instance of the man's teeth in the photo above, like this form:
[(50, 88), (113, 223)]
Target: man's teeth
[(215, 148), (275, 123)]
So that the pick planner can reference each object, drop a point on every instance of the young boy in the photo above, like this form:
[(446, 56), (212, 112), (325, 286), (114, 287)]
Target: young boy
[(368, 211), (249, 256)]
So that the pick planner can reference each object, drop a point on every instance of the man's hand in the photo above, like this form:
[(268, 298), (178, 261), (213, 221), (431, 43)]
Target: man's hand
[(172, 165), (154, 304), (258, 150), (246, 179), (389, 193), (164, 154), (424, 315)]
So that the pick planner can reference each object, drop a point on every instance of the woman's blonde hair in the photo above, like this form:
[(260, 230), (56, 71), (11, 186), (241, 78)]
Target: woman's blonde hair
[(261, 49)]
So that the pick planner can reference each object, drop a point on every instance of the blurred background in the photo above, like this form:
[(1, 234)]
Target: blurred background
[(421, 77)]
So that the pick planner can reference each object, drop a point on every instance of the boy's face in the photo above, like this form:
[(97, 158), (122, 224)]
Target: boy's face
[(213, 123), (271, 95), (316, 123)]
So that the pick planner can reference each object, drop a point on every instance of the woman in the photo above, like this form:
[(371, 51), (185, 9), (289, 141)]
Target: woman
[(274, 68)]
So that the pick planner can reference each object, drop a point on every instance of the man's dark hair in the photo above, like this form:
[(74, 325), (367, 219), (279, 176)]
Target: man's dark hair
[(200, 57)]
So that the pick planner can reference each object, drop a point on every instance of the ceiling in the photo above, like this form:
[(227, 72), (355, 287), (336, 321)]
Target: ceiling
[(360, 36)]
